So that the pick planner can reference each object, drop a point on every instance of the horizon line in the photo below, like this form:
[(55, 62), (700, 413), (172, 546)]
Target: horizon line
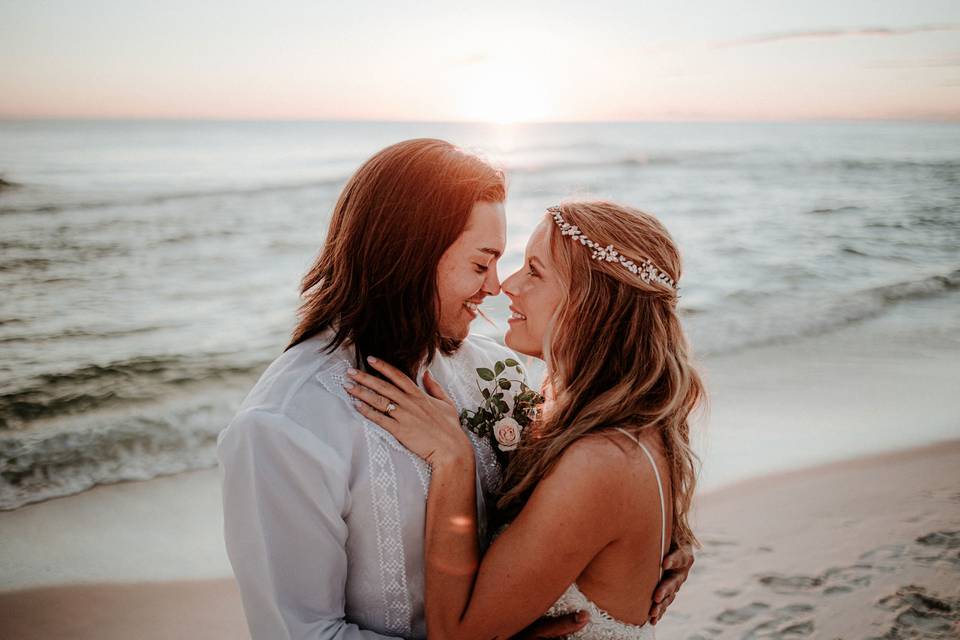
[(680, 120)]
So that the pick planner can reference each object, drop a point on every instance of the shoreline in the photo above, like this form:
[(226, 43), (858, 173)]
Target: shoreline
[(779, 553), (775, 478), (829, 506)]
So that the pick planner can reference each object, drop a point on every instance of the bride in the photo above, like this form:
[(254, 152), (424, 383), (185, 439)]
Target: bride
[(602, 475)]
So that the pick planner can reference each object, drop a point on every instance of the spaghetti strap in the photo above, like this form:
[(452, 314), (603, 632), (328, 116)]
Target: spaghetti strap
[(663, 511)]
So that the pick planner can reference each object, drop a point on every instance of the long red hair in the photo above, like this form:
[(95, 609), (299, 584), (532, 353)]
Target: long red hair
[(374, 282)]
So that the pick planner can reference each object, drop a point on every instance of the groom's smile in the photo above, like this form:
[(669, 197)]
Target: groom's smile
[(467, 272)]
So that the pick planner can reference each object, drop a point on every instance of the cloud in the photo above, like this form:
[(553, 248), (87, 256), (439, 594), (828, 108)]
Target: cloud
[(832, 33), (950, 60)]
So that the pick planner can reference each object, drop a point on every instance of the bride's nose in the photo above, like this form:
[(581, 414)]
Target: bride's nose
[(508, 285)]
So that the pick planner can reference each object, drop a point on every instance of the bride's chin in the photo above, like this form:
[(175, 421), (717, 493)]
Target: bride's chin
[(510, 339)]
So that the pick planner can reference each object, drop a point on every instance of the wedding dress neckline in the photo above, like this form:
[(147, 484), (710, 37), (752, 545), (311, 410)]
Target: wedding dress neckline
[(602, 625)]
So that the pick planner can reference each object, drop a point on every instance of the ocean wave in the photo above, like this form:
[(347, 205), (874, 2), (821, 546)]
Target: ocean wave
[(29, 264), (575, 145), (95, 386), (923, 288), (102, 449), (699, 158), (847, 249), (8, 184), (575, 165), (749, 323), (893, 163), (839, 209), (160, 198), (72, 334)]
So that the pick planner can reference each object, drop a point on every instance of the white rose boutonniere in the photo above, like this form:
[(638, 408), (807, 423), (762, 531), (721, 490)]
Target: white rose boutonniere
[(507, 433), (502, 416)]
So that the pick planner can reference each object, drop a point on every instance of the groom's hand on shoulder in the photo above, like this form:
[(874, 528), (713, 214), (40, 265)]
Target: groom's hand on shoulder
[(554, 627), (676, 569)]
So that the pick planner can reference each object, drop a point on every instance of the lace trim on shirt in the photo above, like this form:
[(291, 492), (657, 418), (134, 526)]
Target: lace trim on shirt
[(332, 378), (386, 511), (487, 463)]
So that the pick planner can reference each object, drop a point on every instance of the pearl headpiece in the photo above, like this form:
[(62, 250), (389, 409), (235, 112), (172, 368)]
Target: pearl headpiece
[(647, 271)]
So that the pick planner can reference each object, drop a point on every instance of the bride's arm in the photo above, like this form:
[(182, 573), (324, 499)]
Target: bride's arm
[(571, 516), (563, 526)]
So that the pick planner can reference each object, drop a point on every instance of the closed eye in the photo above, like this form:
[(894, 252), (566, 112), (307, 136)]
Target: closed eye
[(481, 268), (532, 271)]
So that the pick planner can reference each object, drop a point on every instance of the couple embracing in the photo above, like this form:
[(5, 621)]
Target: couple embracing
[(393, 475)]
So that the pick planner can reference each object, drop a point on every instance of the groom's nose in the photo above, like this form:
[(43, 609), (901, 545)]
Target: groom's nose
[(491, 284)]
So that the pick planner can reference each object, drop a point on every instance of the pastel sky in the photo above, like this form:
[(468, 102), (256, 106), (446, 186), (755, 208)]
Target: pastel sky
[(566, 60)]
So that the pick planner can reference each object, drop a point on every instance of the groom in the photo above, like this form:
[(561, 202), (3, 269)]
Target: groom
[(323, 511)]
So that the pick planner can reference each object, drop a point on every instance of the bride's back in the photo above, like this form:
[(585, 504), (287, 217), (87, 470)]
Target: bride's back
[(621, 578)]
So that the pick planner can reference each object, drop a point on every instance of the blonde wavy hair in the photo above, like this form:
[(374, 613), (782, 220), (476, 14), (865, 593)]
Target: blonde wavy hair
[(617, 355)]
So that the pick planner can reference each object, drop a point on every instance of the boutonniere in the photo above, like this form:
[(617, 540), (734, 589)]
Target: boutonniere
[(496, 418)]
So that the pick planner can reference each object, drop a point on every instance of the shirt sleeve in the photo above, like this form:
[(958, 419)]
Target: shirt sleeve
[(284, 495)]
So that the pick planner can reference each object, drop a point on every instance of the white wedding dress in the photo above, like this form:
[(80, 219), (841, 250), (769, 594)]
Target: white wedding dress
[(602, 625)]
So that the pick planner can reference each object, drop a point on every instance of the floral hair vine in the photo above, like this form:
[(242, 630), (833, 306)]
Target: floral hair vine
[(647, 271)]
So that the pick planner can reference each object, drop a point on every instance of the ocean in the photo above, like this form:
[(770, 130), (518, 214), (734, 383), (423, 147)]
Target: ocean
[(149, 269)]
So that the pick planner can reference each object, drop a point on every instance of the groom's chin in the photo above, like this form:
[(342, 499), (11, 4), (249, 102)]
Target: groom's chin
[(457, 333)]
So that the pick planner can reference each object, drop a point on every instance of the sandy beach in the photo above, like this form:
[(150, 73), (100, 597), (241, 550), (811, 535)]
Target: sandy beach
[(864, 545), (865, 548), (868, 548)]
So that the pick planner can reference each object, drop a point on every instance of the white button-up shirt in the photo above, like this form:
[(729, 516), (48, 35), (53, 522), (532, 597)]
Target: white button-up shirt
[(324, 510)]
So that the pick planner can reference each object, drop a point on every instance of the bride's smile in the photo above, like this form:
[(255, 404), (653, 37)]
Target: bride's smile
[(535, 293)]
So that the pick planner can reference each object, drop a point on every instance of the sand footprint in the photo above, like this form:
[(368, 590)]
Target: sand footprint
[(784, 584), (784, 623), (742, 614), (884, 558), (846, 579), (939, 546), (921, 615), (835, 580)]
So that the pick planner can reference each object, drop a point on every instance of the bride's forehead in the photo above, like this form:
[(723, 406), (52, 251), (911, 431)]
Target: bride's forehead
[(538, 238)]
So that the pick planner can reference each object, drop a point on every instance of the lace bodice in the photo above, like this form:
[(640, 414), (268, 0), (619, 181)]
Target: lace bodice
[(602, 625)]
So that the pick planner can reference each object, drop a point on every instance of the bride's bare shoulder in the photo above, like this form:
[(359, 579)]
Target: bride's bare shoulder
[(599, 458), (599, 469)]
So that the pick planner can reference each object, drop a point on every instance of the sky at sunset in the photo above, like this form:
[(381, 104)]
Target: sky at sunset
[(487, 61)]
